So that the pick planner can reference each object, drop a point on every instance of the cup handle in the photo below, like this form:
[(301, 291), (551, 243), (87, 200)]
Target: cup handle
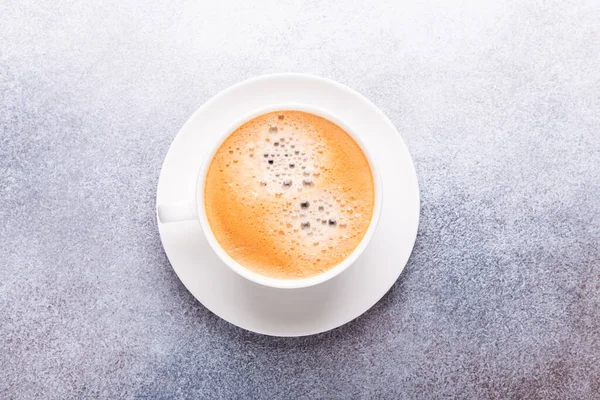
[(177, 211)]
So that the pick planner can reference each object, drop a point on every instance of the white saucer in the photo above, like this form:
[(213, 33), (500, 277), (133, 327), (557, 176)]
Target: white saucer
[(299, 312)]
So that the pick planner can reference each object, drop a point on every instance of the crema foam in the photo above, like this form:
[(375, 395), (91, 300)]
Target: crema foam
[(289, 194)]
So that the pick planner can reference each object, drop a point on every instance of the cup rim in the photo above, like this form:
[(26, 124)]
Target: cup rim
[(279, 283)]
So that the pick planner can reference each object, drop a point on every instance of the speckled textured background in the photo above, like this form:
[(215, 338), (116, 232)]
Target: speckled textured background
[(498, 102)]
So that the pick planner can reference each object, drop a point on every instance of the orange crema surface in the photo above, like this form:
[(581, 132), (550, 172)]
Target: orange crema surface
[(289, 195)]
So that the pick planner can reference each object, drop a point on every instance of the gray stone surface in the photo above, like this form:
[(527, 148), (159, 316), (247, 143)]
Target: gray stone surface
[(498, 102)]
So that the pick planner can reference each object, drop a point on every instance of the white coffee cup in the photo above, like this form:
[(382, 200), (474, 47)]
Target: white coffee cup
[(193, 209)]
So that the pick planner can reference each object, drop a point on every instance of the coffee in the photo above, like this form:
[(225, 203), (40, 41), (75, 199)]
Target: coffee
[(289, 194)]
